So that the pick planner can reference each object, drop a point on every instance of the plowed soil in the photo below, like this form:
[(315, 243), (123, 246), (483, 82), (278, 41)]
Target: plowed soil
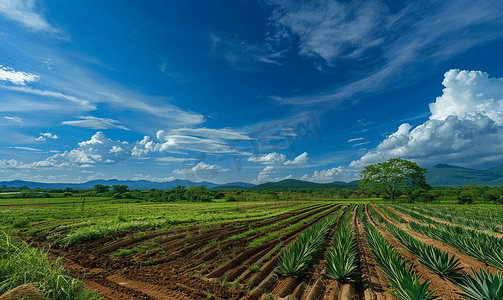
[(191, 263)]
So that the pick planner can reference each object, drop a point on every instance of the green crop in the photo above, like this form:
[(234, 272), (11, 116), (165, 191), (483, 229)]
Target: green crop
[(341, 260)]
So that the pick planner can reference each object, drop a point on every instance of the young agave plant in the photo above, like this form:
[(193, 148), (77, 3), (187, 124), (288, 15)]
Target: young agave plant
[(341, 260), (405, 283), (483, 286), (295, 260)]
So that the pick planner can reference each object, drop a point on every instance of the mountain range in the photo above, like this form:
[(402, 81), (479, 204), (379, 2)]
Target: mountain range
[(438, 175)]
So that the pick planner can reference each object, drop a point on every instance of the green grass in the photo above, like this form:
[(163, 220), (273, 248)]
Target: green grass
[(20, 264)]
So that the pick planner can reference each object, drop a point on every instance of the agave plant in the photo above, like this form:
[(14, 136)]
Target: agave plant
[(404, 281), (483, 286), (341, 260), (432, 258), (295, 260)]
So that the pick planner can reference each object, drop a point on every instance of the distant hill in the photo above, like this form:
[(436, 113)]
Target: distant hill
[(132, 184), (497, 170), (300, 184), (448, 175), (438, 175)]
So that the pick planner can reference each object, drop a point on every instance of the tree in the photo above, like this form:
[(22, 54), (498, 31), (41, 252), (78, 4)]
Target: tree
[(121, 189), (101, 188), (388, 177)]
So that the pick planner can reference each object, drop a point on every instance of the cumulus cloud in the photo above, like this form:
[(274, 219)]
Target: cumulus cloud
[(46, 135), (328, 175), (301, 159), (265, 176), (96, 123), (465, 126), (270, 158), (18, 78), (24, 11)]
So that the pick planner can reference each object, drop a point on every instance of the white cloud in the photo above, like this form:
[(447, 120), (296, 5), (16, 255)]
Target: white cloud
[(355, 139), (390, 40), (19, 78), (176, 143), (227, 134), (465, 126), (326, 175), (46, 135), (359, 144), (264, 176), (84, 104), (301, 159), (171, 159), (15, 119), (95, 123), (153, 179), (24, 11), (244, 56), (201, 168), (28, 148), (270, 158)]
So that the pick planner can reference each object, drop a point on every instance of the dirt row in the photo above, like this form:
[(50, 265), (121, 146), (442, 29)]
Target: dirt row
[(191, 263)]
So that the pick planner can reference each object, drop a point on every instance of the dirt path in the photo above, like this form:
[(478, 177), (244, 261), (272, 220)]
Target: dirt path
[(374, 283)]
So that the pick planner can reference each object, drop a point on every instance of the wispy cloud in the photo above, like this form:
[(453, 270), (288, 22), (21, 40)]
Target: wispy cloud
[(359, 144), (381, 41), (83, 103), (25, 12), (28, 148), (355, 139), (18, 78), (95, 123), (245, 56), (15, 119)]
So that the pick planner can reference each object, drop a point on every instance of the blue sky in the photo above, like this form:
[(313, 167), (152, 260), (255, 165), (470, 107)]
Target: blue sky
[(251, 91)]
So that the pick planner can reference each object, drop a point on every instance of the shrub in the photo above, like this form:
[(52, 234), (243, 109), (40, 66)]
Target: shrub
[(465, 198), (230, 198)]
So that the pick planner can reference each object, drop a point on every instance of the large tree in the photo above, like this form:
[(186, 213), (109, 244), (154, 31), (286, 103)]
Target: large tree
[(389, 176)]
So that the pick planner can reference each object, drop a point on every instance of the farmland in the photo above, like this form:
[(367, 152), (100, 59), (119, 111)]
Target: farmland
[(326, 249)]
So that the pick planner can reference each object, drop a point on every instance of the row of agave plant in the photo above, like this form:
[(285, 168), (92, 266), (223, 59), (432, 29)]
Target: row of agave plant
[(479, 245), (409, 211), (391, 214), (342, 260), (297, 257), (483, 286), (405, 283)]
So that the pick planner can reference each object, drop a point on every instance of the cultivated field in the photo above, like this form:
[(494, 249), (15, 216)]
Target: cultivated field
[(257, 250)]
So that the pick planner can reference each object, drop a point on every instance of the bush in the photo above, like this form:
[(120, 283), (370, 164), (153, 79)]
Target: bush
[(219, 195), (67, 194), (20, 223), (230, 198), (421, 195), (465, 198), (118, 196)]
